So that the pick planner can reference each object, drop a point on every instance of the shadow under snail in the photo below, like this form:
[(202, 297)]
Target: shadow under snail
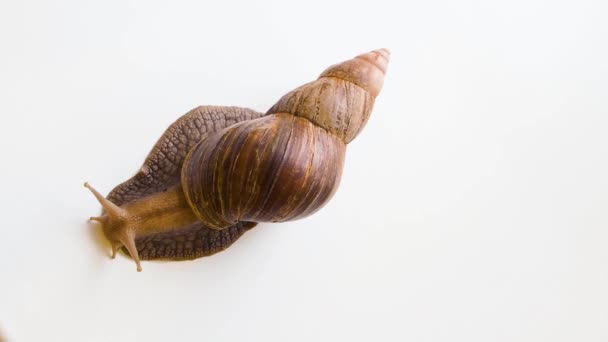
[(217, 171)]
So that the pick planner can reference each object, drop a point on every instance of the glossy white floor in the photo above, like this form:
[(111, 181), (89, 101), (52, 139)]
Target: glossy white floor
[(472, 207)]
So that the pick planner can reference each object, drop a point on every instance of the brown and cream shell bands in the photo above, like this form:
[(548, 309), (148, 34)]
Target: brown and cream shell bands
[(342, 98)]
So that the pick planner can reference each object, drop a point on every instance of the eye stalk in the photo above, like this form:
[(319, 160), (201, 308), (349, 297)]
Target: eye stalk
[(116, 224), (153, 214)]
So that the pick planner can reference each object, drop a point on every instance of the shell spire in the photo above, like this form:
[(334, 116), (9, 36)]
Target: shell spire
[(342, 98), (366, 70)]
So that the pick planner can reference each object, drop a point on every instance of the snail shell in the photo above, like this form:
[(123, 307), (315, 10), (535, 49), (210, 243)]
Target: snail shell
[(287, 164)]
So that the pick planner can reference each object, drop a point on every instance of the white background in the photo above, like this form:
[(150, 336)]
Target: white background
[(472, 208)]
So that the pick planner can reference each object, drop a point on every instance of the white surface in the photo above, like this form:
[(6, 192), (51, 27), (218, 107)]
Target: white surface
[(472, 208)]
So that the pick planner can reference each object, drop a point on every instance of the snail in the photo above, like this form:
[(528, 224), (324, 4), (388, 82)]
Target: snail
[(218, 171)]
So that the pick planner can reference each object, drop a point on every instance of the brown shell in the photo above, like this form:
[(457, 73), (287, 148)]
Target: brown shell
[(288, 164), (272, 169)]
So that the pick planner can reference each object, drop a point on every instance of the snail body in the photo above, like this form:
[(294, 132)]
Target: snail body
[(251, 167)]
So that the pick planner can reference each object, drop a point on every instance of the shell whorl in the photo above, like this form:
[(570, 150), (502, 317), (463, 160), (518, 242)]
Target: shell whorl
[(272, 169), (342, 98), (366, 70)]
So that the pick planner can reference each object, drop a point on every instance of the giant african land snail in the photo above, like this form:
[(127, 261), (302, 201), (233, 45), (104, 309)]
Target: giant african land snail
[(217, 171)]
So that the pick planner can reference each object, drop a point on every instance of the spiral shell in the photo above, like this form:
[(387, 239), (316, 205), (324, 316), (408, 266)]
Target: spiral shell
[(287, 164), (342, 98)]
